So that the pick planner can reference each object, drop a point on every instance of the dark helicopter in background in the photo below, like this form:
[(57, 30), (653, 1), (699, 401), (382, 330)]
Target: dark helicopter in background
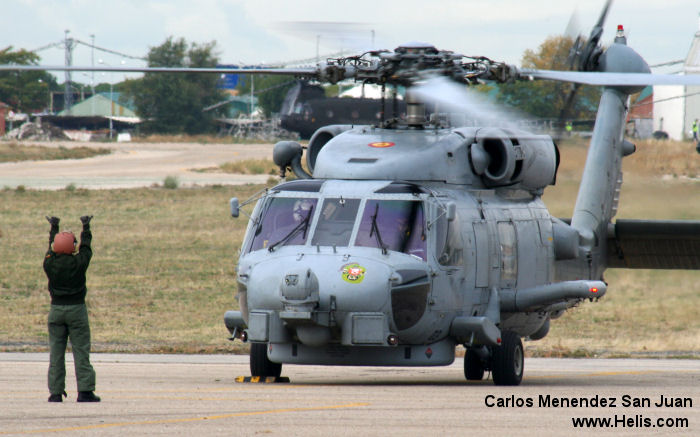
[(411, 235), (306, 108)]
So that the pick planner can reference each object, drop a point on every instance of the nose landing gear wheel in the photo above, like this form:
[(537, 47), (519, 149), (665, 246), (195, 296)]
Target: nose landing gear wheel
[(260, 365), (508, 360)]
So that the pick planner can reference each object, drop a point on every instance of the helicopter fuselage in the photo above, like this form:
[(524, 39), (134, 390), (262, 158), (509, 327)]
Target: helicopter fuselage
[(332, 295), (361, 270)]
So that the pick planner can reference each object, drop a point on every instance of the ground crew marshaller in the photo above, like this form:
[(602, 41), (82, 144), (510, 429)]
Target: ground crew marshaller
[(68, 316), (569, 128)]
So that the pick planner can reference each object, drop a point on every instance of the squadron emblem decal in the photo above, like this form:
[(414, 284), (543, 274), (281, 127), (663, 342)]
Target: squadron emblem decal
[(353, 273)]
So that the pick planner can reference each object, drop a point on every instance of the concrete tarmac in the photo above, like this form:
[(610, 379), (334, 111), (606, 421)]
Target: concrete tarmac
[(197, 395), (132, 165)]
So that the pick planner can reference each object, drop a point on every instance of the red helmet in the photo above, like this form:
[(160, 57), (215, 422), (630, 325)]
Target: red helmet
[(64, 242)]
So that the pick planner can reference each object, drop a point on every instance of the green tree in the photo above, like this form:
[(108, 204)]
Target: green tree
[(105, 87), (174, 102), (546, 99), (25, 91), (269, 89)]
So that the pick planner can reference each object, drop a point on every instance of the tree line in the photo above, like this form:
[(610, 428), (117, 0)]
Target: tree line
[(175, 103)]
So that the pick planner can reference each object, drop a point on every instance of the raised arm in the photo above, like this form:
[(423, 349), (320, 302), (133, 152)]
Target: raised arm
[(53, 221)]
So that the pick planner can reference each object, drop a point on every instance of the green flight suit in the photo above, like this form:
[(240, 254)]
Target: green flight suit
[(68, 317)]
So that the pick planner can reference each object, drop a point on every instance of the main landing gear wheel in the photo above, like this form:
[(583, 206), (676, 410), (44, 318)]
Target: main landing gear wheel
[(508, 360), (260, 365), (473, 367)]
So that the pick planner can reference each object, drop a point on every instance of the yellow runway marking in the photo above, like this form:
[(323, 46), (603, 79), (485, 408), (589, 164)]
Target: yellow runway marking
[(594, 374), (188, 419), (622, 372)]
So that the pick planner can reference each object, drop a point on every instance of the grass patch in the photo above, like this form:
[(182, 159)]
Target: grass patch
[(250, 166), (162, 275), (163, 271), (644, 311), (653, 158), (199, 139), (171, 182), (15, 152)]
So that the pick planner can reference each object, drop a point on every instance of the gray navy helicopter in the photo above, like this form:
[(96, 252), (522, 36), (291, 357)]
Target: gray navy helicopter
[(409, 237)]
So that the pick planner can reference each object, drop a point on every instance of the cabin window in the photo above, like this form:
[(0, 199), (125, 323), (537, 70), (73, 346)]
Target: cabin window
[(336, 222), (509, 253), (397, 225), (283, 221)]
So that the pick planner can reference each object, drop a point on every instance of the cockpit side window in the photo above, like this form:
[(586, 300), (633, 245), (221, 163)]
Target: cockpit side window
[(283, 221), (397, 225), (335, 222)]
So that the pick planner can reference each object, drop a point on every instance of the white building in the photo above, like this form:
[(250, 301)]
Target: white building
[(676, 107)]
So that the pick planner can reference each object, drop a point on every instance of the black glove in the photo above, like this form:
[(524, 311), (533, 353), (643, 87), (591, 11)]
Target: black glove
[(86, 220), (53, 220)]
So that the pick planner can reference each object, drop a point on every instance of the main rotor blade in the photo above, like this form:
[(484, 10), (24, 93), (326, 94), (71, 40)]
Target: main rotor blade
[(610, 79), (307, 72)]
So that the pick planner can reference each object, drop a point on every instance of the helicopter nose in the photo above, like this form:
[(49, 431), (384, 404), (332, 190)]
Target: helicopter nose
[(300, 287), (318, 300), (300, 296)]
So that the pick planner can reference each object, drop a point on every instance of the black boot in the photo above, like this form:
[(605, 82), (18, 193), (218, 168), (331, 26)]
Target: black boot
[(57, 397), (88, 396)]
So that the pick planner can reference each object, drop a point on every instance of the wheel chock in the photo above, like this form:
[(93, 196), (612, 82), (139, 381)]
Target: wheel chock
[(262, 379)]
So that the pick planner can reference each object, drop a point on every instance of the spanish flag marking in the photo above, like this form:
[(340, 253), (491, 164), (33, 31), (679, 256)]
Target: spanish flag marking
[(381, 144)]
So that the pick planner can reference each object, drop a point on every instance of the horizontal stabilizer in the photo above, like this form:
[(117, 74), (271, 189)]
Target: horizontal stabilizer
[(655, 244)]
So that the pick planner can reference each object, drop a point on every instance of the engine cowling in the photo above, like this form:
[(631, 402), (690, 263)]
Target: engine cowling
[(319, 139), (506, 158)]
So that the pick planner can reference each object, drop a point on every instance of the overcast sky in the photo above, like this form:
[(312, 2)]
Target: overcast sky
[(259, 31)]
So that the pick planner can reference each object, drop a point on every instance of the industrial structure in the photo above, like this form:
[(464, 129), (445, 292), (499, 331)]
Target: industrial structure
[(68, 44), (677, 106), (101, 104)]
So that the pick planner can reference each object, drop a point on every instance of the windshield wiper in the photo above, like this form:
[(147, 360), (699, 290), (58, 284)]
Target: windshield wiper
[(302, 226), (375, 230)]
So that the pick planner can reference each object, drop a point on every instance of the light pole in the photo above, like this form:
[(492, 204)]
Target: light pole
[(111, 99), (92, 74), (50, 96), (111, 107)]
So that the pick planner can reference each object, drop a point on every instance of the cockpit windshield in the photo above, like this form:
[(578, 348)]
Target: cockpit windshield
[(285, 220), (396, 225), (336, 221)]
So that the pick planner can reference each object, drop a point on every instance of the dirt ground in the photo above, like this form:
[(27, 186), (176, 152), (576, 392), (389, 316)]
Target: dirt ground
[(133, 165)]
